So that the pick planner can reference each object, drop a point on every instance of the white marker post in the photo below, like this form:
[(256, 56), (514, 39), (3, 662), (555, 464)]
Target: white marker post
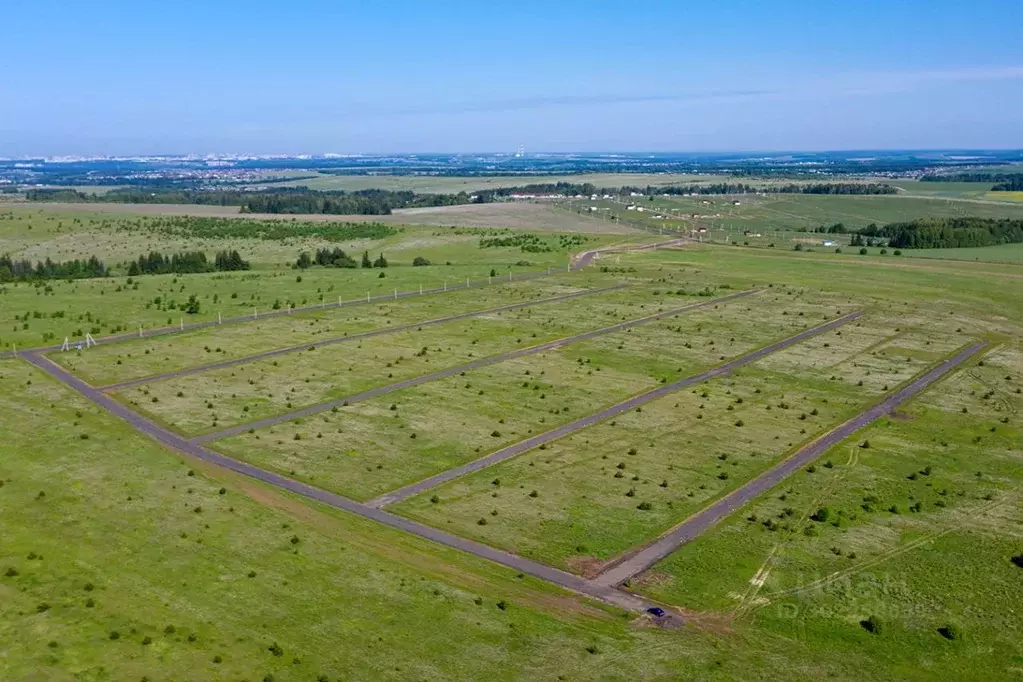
[(395, 294), (140, 331), (181, 324), (255, 314), (220, 318), (466, 282), (367, 297), (420, 289)]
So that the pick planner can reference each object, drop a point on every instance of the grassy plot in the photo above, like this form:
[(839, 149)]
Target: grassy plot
[(586, 376), (120, 561), (915, 525), (132, 359), (674, 348), (1003, 253), (259, 389), (378, 445), (591, 496)]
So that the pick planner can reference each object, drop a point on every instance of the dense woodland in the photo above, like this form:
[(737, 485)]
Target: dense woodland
[(982, 176), (945, 233)]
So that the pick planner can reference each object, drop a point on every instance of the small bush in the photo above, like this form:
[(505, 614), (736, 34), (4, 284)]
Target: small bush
[(951, 632)]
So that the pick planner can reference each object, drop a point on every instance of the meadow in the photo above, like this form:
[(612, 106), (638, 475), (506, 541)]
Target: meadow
[(891, 556)]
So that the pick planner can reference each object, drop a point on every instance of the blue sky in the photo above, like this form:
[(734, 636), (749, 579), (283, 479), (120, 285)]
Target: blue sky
[(311, 77)]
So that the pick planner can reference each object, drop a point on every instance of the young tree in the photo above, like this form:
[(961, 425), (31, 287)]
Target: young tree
[(366, 262)]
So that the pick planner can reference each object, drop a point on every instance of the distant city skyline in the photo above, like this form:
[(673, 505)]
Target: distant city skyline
[(260, 78)]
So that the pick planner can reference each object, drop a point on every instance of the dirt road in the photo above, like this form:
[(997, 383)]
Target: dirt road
[(458, 369), (564, 579), (591, 419), (354, 337), (635, 562)]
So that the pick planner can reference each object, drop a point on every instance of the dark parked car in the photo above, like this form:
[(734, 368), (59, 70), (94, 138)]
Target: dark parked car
[(655, 611)]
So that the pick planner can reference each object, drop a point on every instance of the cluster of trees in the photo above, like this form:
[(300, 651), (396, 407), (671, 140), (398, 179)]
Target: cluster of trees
[(529, 243), (981, 176), (273, 230), (837, 228), (942, 233), (327, 258), (336, 258), (11, 270), (362, 202), (186, 263)]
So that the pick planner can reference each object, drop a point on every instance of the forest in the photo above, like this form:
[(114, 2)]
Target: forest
[(980, 176), (945, 233)]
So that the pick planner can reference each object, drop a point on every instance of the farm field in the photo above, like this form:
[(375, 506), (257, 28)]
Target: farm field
[(164, 518)]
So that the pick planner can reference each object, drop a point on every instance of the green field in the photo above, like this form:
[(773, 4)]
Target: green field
[(889, 557)]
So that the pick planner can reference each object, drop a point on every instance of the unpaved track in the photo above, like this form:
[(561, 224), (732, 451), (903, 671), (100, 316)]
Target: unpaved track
[(458, 369), (591, 419), (633, 563), (564, 579), (354, 337)]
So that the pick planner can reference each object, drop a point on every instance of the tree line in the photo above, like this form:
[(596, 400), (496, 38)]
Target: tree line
[(14, 270), (973, 177), (944, 233), (186, 262), (280, 201), (1013, 184), (337, 258)]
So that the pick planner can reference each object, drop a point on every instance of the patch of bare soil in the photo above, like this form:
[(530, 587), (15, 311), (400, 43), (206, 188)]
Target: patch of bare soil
[(586, 566)]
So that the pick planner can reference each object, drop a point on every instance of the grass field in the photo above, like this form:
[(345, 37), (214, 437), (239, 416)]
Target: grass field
[(889, 557), (679, 453), (119, 563), (909, 526), (32, 315)]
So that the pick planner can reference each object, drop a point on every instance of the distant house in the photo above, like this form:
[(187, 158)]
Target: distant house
[(736, 203), (829, 242)]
